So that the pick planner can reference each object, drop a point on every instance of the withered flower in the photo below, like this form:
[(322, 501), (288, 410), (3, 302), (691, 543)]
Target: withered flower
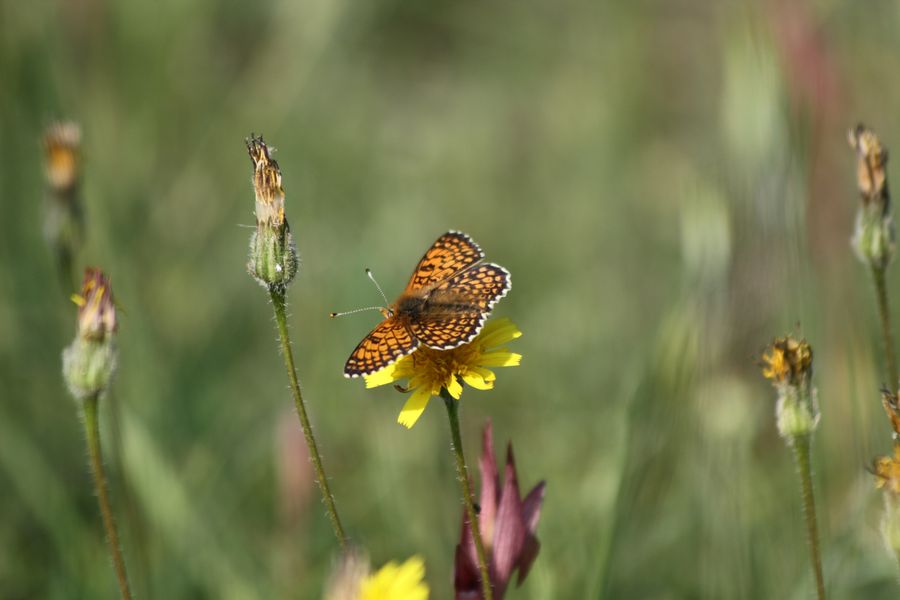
[(89, 362), (273, 257), (508, 524), (873, 236)]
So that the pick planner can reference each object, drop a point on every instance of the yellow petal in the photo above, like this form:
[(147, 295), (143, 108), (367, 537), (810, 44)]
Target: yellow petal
[(498, 331), (476, 381), (383, 377), (454, 387), (414, 407), (500, 358)]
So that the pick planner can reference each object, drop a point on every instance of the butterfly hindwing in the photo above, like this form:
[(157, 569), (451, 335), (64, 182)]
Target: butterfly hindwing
[(446, 331), (389, 341), (450, 254), (458, 307)]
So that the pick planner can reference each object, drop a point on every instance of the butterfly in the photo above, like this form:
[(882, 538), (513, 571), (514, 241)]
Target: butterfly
[(444, 305)]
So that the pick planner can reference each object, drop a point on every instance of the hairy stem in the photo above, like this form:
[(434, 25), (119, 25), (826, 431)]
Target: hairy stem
[(92, 432), (462, 474), (278, 302), (800, 445), (884, 313)]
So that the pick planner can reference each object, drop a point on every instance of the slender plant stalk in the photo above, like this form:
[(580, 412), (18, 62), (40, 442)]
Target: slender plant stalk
[(92, 432), (278, 302), (801, 444), (462, 474), (884, 313)]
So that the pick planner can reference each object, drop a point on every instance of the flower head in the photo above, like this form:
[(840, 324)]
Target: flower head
[(273, 257), (873, 234), (787, 361), (62, 155), (871, 159), (507, 524), (392, 582), (90, 360), (96, 307), (887, 472), (428, 371), (266, 183)]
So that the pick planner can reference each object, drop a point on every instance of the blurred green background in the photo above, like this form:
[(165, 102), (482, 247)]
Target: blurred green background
[(668, 182)]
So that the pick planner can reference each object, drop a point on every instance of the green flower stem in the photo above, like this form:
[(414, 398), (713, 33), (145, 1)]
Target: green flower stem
[(801, 445), (883, 312), (277, 294), (92, 432), (462, 474)]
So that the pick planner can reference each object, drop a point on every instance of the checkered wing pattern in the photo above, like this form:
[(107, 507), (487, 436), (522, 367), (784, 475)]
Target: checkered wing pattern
[(459, 306), (450, 254), (389, 341)]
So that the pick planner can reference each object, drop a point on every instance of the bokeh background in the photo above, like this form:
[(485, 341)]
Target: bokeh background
[(668, 182)]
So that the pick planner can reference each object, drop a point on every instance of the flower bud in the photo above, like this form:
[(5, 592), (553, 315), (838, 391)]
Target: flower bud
[(873, 236), (273, 257), (89, 362)]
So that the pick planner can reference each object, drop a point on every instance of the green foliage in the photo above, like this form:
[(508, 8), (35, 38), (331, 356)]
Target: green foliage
[(669, 185)]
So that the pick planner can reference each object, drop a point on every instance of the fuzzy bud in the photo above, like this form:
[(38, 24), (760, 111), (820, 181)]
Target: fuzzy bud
[(873, 236), (89, 362), (273, 256)]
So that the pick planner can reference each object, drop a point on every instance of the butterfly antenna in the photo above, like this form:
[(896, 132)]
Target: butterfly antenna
[(372, 277), (350, 312)]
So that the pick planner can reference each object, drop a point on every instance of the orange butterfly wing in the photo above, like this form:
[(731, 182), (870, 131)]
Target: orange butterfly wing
[(389, 341), (459, 306), (451, 253)]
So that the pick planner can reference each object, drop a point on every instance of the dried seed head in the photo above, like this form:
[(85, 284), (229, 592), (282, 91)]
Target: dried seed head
[(787, 360), (96, 307)]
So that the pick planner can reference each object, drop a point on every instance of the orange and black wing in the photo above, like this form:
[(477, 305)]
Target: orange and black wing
[(451, 253), (389, 341), (458, 307)]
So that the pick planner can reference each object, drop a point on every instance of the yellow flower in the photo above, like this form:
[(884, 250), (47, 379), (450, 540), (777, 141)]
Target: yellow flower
[(887, 472), (787, 361), (396, 582), (428, 371)]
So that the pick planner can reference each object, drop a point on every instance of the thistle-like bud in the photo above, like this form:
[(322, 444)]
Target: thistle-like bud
[(63, 218), (273, 257), (90, 360), (788, 364), (873, 236)]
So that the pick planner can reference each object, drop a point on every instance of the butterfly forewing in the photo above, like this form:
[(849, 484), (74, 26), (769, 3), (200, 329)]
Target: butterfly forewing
[(386, 343), (450, 254)]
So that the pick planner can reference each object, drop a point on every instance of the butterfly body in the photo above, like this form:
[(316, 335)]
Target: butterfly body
[(443, 306)]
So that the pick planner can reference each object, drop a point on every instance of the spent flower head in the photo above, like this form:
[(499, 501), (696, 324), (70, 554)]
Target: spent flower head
[(873, 236), (89, 362), (886, 470), (354, 581), (429, 371), (508, 525), (273, 256), (787, 363)]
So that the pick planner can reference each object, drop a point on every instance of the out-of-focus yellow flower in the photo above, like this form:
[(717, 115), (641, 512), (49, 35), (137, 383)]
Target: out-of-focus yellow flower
[(887, 472), (428, 371), (62, 155), (353, 581), (396, 582), (787, 361)]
